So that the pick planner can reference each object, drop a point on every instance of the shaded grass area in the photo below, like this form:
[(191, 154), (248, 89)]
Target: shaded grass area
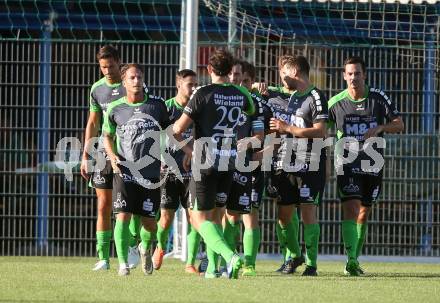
[(50, 279)]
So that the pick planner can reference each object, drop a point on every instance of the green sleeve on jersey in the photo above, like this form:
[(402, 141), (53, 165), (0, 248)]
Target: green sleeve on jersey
[(170, 102), (335, 99), (339, 134), (330, 124), (109, 126), (250, 110), (93, 105)]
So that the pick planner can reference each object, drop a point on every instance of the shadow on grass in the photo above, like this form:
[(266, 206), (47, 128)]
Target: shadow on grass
[(332, 275)]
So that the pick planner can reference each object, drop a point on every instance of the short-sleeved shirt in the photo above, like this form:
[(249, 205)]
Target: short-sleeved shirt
[(175, 110), (265, 111), (101, 95), (137, 128), (216, 110), (353, 118), (249, 125), (277, 100), (302, 110)]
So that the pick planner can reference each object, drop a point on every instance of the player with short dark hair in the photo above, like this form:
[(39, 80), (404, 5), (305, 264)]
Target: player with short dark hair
[(174, 191), (260, 123), (132, 140), (103, 92), (301, 121), (214, 110), (360, 112), (240, 201), (277, 97)]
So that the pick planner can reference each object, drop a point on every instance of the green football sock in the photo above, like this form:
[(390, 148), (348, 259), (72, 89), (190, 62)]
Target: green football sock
[(103, 244), (121, 235), (281, 240), (214, 240), (135, 227), (230, 233), (251, 243), (146, 238), (248, 237), (295, 222), (162, 236), (311, 238), (256, 244), (349, 235), (213, 256), (291, 239), (361, 234), (193, 240), (212, 260)]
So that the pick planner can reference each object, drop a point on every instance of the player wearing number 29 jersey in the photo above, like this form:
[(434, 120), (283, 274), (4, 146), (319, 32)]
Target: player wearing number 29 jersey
[(360, 113), (214, 110)]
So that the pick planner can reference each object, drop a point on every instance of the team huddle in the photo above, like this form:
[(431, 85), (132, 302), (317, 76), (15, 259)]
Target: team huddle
[(216, 150)]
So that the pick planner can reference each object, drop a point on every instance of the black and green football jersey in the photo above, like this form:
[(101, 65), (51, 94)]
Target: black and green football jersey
[(175, 110), (353, 118), (101, 95), (302, 110), (137, 128), (216, 110)]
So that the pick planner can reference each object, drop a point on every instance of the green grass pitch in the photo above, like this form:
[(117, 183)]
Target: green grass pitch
[(50, 279)]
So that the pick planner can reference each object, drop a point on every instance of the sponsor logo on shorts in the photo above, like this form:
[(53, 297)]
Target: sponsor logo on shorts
[(147, 205), (221, 197), (239, 178), (375, 193), (140, 181), (119, 203), (243, 200), (372, 170), (254, 196), (351, 188), (304, 191), (294, 167), (98, 179), (272, 190)]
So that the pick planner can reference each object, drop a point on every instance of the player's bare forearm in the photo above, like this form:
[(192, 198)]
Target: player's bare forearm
[(91, 131), (109, 146), (317, 131), (395, 126), (182, 124)]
